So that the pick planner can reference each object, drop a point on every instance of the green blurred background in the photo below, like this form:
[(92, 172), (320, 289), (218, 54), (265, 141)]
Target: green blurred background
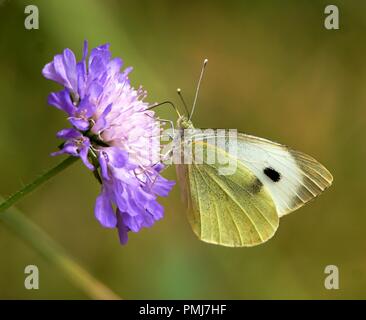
[(274, 71)]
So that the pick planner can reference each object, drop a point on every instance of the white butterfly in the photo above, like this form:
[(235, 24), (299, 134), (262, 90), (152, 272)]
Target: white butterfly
[(244, 208)]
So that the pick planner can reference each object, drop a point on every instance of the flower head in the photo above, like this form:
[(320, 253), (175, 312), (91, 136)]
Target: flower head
[(115, 135)]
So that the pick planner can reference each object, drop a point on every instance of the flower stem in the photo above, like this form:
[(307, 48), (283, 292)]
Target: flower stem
[(37, 182), (51, 251)]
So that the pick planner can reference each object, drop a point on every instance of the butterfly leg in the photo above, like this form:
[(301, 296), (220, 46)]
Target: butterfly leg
[(172, 135)]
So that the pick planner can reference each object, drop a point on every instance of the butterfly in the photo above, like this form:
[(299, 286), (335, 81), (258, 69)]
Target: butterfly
[(242, 208)]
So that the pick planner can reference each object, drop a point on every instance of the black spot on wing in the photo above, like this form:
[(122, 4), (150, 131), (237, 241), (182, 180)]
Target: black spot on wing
[(271, 173)]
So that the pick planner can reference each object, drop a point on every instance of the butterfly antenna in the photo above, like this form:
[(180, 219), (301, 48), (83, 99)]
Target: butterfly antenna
[(198, 87), (165, 102), (179, 91)]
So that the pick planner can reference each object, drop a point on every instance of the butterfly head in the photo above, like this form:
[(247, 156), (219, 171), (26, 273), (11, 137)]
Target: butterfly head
[(184, 123)]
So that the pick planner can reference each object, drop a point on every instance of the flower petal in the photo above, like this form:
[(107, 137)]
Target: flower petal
[(62, 100), (161, 186), (103, 165), (79, 124), (50, 73), (117, 157), (101, 123), (104, 211), (122, 229), (69, 65), (84, 156), (68, 133)]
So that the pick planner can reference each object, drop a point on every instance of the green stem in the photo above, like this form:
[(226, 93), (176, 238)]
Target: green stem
[(36, 183), (51, 251)]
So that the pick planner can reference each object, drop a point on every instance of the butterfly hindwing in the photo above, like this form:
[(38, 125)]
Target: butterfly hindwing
[(231, 210)]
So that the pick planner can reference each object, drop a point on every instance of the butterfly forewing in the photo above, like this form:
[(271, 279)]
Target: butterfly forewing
[(292, 177)]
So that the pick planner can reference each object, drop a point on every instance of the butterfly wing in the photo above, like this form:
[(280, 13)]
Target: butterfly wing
[(242, 209), (292, 177), (231, 210)]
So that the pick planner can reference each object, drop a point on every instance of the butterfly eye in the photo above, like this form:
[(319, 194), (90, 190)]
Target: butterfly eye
[(271, 173)]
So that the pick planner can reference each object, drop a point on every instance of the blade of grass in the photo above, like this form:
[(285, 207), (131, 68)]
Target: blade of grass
[(34, 236), (41, 242)]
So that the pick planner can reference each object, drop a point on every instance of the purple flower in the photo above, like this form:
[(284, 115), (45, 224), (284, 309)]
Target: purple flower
[(114, 134)]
